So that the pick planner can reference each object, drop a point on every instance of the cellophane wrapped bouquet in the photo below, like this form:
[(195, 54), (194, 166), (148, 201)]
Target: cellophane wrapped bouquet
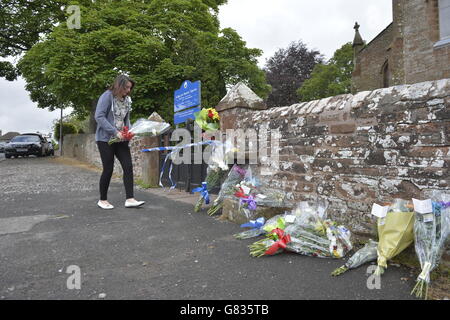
[(308, 233), (216, 172), (364, 255), (227, 189), (252, 193), (142, 128), (431, 229), (395, 230)]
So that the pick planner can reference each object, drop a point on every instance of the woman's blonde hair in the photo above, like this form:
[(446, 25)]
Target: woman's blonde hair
[(120, 83)]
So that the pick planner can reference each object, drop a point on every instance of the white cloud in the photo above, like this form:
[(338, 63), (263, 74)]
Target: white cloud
[(19, 113), (324, 25)]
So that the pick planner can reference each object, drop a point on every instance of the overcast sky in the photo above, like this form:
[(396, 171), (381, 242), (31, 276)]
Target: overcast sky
[(324, 25)]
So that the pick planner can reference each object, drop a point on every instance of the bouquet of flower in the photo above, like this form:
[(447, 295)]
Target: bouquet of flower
[(217, 169), (271, 198), (304, 243), (431, 229), (261, 227), (235, 176), (142, 127), (395, 230), (213, 179), (208, 119), (365, 254), (309, 234)]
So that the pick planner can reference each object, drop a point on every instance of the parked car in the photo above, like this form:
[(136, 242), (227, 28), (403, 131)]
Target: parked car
[(27, 144), (2, 146)]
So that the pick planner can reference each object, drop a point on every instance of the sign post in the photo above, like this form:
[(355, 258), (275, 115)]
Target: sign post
[(188, 96)]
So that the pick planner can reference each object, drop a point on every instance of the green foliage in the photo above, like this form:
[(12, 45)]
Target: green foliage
[(22, 24), (158, 43), (67, 128), (331, 79)]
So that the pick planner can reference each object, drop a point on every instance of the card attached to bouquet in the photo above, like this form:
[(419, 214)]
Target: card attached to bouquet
[(380, 212), (246, 189), (289, 218), (423, 206)]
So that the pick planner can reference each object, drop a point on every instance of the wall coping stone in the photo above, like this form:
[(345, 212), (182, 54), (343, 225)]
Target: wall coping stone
[(241, 96)]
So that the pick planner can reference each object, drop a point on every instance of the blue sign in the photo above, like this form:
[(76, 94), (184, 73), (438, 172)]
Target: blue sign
[(182, 116), (189, 95)]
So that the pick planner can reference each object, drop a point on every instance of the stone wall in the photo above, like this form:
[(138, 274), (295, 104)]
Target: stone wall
[(84, 148), (358, 149)]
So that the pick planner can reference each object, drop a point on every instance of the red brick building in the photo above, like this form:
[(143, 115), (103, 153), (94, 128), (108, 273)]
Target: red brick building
[(414, 48)]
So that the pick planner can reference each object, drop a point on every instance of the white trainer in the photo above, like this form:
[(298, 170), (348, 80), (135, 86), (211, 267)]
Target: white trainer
[(130, 204), (105, 206)]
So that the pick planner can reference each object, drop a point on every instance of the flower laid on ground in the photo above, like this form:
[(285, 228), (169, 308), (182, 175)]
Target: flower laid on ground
[(276, 242), (261, 227), (431, 230), (213, 179), (395, 232), (305, 238), (208, 119), (365, 254), (141, 128), (235, 175), (217, 169), (256, 229)]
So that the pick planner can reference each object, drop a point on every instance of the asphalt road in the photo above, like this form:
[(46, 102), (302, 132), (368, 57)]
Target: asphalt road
[(49, 222)]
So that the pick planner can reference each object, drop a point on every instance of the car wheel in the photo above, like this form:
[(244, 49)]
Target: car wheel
[(7, 156)]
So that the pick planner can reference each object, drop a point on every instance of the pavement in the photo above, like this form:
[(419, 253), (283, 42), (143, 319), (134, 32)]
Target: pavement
[(50, 226)]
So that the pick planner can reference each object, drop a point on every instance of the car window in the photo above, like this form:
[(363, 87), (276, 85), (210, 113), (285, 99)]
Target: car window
[(26, 139)]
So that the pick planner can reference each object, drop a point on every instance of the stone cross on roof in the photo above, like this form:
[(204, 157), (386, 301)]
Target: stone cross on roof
[(358, 39)]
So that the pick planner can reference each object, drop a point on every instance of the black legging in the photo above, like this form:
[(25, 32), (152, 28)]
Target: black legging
[(123, 154)]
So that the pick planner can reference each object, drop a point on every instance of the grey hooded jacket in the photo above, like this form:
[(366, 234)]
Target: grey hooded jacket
[(104, 116)]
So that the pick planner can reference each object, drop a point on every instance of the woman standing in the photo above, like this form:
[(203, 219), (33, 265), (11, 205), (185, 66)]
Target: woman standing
[(112, 114)]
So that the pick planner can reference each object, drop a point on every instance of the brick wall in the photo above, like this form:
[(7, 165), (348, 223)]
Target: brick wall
[(359, 149)]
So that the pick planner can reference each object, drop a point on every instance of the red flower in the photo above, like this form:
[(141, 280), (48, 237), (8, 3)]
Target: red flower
[(240, 193), (127, 134)]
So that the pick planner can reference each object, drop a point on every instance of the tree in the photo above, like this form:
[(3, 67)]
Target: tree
[(158, 43), (331, 79), (22, 24), (67, 128), (287, 70)]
